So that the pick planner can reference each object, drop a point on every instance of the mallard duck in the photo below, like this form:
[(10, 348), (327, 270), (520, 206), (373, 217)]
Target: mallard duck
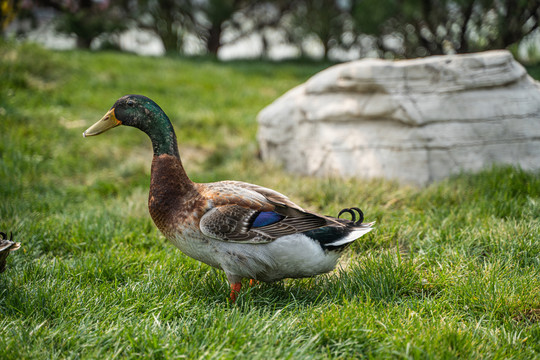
[(246, 230), (6, 246)]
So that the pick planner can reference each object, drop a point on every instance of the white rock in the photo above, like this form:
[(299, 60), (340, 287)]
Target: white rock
[(412, 120)]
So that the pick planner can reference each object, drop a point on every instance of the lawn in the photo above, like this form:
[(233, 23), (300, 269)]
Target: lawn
[(452, 270)]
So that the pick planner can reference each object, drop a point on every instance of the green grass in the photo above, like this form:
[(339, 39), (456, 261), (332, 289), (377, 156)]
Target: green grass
[(534, 71), (452, 270)]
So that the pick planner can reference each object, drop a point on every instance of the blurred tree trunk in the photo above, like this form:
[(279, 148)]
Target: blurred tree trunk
[(169, 19), (217, 12), (213, 40), (166, 27), (260, 15), (320, 18), (84, 42)]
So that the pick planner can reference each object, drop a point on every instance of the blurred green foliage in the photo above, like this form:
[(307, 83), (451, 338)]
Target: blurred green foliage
[(385, 28)]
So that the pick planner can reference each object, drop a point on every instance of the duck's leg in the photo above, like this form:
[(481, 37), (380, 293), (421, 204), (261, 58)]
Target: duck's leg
[(253, 282), (236, 285)]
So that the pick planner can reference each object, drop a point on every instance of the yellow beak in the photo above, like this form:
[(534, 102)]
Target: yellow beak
[(107, 122)]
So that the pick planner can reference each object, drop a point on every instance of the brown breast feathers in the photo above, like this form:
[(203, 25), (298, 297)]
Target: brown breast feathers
[(173, 200)]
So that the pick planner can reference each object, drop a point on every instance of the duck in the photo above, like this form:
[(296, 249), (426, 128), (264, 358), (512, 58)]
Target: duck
[(246, 230), (6, 247)]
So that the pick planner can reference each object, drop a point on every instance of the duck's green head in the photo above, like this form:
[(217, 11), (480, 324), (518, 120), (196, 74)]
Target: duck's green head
[(143, 113)]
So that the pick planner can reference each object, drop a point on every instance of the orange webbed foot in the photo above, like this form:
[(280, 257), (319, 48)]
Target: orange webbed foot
[(235, 290)]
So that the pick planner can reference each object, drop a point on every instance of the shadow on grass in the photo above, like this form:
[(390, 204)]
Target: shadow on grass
[(384, 279)]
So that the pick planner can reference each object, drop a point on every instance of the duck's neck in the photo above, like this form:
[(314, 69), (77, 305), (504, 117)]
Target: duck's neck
[(170, 191), (167, 170), (162, 136), (170, 187)]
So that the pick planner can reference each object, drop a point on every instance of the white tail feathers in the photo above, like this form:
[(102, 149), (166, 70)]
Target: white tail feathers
[(356, 233)]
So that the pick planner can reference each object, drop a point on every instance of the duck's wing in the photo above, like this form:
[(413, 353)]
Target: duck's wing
[(249, 213)]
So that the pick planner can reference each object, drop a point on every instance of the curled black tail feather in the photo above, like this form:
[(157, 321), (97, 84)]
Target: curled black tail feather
[(353, 211)]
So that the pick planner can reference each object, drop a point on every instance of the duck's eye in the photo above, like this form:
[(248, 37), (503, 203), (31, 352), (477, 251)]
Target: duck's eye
[(131, 103)]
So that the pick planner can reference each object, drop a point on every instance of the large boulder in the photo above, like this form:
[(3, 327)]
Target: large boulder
[(412, 120)]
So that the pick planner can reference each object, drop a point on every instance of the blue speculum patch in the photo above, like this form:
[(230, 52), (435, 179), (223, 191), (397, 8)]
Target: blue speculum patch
[(266, 218)]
